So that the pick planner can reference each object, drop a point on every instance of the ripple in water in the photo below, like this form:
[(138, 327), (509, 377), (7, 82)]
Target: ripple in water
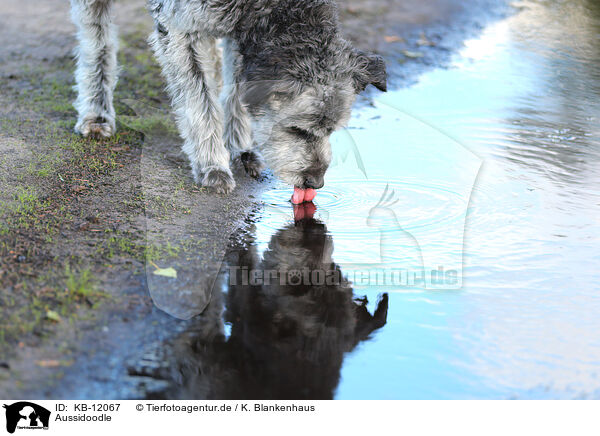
[(362, 207)]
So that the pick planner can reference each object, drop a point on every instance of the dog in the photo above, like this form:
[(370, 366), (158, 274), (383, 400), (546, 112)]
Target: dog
[(290, 329), (290, 80)]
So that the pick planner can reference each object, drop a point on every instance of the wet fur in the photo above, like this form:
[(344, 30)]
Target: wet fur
[(290, 81)]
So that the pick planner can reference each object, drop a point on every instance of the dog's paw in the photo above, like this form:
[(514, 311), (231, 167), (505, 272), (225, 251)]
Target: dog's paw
[(253, 163), (218, 179), (95, 127)]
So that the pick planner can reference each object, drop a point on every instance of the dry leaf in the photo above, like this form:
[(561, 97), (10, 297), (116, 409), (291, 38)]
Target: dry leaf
[(412, 54), (53, 363), (393, 38), (164, 272), (53, 316)]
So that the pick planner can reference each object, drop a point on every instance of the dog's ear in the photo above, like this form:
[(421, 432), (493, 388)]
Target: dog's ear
[(370, 70), (257, 92)]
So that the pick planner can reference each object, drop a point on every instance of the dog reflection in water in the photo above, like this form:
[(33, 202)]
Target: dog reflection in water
[(289, 333)]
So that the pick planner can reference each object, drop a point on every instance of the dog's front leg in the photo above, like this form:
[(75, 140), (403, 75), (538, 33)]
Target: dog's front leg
[(96, 74), (238, 129), (188, 67)]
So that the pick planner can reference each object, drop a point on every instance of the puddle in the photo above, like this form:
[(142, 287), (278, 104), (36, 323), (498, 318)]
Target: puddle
[(465, 209)]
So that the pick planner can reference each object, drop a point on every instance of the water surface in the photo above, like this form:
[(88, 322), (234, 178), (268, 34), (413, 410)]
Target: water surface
[(466, 209)]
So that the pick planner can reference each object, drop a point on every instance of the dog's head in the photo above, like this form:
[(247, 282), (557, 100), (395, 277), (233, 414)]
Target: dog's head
[(295, 111)]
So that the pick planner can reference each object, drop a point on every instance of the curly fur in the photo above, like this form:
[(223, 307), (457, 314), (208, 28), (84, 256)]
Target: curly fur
[(290, 81)]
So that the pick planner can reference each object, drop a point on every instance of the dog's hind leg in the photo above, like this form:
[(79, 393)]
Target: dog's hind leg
[(96, 74), (188, 67), (238, 129)]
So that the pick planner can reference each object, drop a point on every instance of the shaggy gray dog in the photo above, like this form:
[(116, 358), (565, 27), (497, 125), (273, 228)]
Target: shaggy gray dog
[(290, 81)]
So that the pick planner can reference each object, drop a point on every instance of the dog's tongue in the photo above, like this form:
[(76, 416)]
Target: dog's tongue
[(302, 195), (309, 194), (298, 196)]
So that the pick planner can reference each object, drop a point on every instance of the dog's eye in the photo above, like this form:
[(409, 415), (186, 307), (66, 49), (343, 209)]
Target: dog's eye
[(301, 133)]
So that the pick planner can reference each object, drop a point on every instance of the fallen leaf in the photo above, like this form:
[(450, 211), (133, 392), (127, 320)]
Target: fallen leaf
[(164, 272), (412, 54), (53, 363), (53, 316), (393, 38)]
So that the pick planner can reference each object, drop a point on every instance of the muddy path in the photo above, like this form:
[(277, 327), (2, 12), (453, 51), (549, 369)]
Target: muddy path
[(87, 227)]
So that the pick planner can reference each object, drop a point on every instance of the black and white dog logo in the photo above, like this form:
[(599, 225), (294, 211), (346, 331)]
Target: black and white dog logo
[(26, 415)]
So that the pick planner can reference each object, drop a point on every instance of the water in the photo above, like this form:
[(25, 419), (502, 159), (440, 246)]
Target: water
[(466, 209)]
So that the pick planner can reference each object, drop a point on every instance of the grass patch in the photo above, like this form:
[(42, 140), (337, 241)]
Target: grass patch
[(35, 305), (79, 284), (64, 183)]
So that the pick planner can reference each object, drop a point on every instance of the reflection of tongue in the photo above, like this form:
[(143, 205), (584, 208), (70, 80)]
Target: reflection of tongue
[(302, 195), (304, 211)]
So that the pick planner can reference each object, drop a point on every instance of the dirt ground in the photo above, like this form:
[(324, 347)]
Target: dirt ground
[(85, 225)]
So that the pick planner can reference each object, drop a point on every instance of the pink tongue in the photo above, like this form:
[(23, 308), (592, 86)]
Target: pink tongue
[(302, 195), (309, 194), (298, 196)]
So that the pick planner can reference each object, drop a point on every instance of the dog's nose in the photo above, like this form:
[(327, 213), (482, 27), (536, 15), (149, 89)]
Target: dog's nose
[(313, 182)]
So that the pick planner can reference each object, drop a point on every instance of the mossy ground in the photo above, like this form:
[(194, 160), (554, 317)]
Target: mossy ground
[(62, 222)]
